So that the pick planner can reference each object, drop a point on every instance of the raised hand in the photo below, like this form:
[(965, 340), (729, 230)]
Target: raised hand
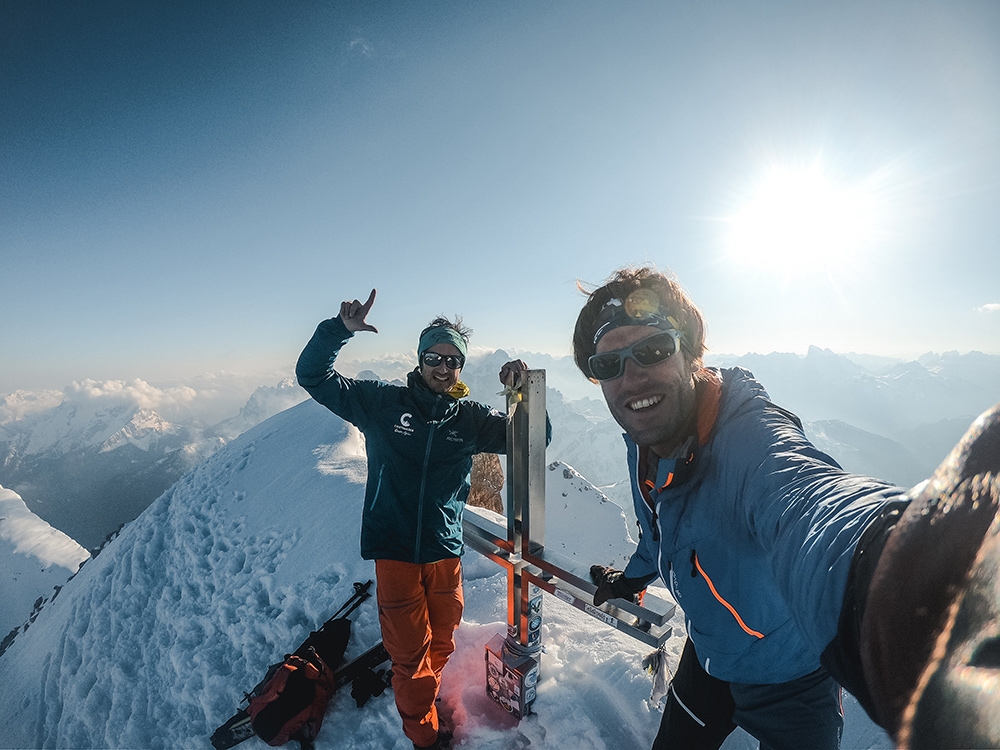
[(353, 314)]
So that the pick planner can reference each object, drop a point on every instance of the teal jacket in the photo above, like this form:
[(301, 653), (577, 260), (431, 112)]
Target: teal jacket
[(754, 537), (420, 446)]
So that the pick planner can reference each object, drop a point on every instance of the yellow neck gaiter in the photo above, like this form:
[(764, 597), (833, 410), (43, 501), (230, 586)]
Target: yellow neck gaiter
[(459, 390)]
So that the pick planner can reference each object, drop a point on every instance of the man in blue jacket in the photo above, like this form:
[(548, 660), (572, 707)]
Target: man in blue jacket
[(772, 550), (420, 440)]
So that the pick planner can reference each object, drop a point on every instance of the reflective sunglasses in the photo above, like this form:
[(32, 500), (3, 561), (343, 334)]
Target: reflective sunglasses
[(451, 361), (648, 351)]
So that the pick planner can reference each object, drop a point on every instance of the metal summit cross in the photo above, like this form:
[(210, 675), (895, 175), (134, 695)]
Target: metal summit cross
[(512, 662)]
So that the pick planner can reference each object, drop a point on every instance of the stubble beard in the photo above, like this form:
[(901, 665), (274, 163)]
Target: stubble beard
[(664, 427)]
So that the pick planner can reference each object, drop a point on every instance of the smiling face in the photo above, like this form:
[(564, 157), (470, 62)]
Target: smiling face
[(655, 405), (440, 379)]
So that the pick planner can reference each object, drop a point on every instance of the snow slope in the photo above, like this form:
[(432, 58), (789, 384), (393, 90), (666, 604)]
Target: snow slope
[(36, 559), (153, 642)]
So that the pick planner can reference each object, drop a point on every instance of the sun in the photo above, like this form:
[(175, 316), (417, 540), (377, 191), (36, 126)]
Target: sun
[(801, 220)]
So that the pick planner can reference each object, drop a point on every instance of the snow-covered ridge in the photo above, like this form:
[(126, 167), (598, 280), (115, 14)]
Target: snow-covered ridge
[(31, 536), (36, 558)]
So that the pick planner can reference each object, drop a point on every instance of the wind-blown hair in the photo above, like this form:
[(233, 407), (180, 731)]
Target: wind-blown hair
[(620, 285)]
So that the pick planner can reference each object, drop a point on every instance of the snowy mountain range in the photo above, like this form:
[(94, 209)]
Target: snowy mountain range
[(89, 465), (154, 640), (888, 398)]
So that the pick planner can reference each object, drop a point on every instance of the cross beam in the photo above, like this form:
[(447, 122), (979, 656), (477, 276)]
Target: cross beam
[(520, 548)]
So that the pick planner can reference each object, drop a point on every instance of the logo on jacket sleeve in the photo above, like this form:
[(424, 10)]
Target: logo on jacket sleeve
[(403, 426)]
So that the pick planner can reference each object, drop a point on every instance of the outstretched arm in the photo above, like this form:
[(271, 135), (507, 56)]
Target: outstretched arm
[(315, 368)]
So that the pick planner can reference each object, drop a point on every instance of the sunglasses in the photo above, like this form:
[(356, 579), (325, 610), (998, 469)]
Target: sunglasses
[(451, 361), (648, 351)]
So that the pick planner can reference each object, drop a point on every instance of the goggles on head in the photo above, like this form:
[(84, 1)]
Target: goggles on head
[(451, 361), (648, 351), (641, 308)]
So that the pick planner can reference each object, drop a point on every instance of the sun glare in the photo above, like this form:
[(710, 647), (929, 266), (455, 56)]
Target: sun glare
[(799, 221)]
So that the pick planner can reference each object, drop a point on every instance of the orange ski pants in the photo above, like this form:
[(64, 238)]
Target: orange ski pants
[(419, 608)]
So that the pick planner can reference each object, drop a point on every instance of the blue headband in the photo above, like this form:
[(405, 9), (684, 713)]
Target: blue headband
[(442, 335)]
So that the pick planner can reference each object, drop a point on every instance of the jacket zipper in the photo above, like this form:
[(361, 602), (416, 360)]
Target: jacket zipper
[(654, 524), (423, 486), (695, 570), (378, 487), (649, 502)]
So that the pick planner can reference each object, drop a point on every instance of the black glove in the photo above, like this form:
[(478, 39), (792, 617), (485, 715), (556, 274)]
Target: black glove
[(613, 584)]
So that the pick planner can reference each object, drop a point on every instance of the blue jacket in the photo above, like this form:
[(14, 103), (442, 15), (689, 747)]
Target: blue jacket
[(755, 542), (419, 444)]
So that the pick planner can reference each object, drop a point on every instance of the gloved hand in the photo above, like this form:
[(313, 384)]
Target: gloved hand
[(613, 584)]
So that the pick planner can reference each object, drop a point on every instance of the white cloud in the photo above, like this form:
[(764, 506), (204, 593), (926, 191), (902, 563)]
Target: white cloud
[(991, 307), (360, 46), (205, 399), (137, 392), (20, 404)]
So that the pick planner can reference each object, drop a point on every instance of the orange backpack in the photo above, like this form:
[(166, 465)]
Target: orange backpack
[(292, 700)]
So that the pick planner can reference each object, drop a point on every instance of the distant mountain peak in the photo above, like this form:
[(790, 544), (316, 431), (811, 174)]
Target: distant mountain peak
[(143, 428)]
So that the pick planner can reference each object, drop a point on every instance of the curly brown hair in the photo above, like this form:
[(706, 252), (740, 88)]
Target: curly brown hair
[(622, 283)]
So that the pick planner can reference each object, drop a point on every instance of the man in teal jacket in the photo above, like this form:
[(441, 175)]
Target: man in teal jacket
[(420, 440), (772, 550)]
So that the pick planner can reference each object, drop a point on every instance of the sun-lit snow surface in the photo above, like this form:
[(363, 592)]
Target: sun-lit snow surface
[(36, 558), (153, 642)]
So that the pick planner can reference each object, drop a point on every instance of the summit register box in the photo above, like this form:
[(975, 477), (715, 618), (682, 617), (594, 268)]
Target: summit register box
[(511, 678)]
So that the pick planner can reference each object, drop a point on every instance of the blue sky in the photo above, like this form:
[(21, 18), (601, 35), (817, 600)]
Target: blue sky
[(190, 187)]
